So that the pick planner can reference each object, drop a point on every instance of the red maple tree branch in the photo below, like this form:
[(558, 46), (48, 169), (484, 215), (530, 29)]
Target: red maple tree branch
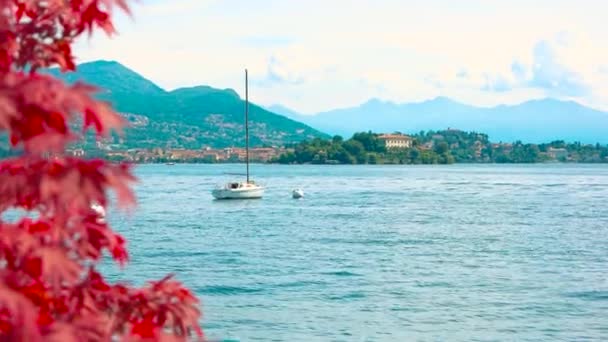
[(49, 287)]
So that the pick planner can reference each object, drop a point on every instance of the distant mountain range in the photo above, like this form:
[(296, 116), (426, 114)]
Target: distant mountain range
[(533, 121), (184, 118)]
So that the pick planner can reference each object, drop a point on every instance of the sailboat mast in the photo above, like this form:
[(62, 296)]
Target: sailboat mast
[(247, 123)]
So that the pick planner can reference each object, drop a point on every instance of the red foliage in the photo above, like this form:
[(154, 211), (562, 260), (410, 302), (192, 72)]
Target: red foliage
[(49, 288)]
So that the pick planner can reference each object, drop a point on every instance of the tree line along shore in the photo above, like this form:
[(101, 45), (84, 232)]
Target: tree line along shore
[(426, 147), (437, 147)]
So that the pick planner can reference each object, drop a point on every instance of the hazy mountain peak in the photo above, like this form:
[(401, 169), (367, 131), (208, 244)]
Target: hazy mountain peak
[(552, 101), (285, 111), (374, 101), (442, 101)]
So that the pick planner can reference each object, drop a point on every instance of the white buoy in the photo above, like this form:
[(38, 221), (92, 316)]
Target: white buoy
[(297, 193)]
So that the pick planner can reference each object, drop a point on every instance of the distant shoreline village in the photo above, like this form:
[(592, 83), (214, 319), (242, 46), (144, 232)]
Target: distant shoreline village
[(432, 147)]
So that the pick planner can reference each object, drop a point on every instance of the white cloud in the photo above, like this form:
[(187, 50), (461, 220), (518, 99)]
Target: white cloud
[(553, 69), (550, 74), (277, 74)]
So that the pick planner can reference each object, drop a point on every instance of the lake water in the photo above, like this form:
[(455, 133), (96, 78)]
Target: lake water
[(382, 253)]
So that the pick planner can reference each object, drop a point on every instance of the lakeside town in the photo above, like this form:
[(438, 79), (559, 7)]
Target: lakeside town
[(182, 155), (432, 147)]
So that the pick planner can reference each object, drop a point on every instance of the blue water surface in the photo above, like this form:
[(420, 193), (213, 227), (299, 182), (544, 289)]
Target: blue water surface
[(381, 253)]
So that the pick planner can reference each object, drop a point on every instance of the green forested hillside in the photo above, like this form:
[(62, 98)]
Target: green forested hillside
[(187, 117)]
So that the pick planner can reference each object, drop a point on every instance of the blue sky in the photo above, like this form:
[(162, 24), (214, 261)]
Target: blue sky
[(317, 55)]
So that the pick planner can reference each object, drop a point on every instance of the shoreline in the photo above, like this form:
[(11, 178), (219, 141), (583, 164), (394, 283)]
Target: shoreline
[(333, 165)]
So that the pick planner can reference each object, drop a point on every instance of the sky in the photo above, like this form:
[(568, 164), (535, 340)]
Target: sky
[(318, 55)]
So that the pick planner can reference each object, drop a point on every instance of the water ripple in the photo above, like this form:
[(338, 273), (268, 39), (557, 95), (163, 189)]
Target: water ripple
[(381, 253)]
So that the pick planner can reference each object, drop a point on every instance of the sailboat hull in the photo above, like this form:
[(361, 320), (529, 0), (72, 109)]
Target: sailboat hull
[(243, 193)]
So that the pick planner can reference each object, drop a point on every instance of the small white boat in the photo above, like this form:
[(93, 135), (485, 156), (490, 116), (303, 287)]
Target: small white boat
[(239, 190), (297, 193)]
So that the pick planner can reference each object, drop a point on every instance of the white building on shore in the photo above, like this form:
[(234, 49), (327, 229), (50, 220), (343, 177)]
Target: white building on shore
[(396, 141)]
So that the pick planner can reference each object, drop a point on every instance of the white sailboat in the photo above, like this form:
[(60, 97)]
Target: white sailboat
[(241, 190)]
